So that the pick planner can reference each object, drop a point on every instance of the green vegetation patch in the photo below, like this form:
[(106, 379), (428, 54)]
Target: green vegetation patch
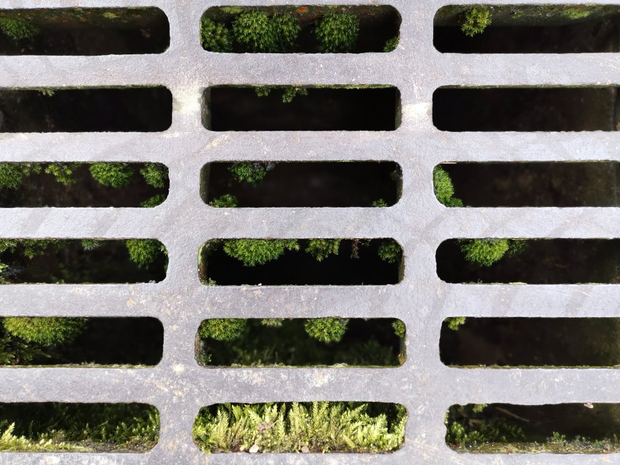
[(316, 427)]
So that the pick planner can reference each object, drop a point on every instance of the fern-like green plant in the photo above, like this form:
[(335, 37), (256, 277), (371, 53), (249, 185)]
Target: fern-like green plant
[(476, 21), (320, 249), (63, 172), (337, 32), (390, 251), (256, 31), (215, 36)]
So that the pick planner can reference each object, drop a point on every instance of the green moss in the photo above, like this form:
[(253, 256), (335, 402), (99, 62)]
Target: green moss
[(326, 329), (293, 427), (215, 37), (18, 29), (476, 21), (576, 13), (12, 174), (455, 322), (155, 174), (380, 203), (323, 248), (45, 331), (222, 329), (144, 252), (153, 201), (391, 44), (258, 251), (399, 328), (444, 189), (92, 244), (225, 201), (255, 31), (63, 172), (337, 32), (117, 175), (272, 322), (390, 251), (485, 252), (250, 172)]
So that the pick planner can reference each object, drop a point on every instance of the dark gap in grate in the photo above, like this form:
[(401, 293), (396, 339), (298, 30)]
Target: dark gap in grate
[(79, 427), (535, 184), (527, 29), (301, 184), (299, 342), (575, 428), (72, 184), (312, 108), (62, 341), (341, 29), (70, 261), (236, 427), (346, 262), (531, 261), (83, 31), (531, 342), (525, 109), (129, 109)]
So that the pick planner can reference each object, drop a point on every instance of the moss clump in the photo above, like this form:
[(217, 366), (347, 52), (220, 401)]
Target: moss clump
[(12, 174), (255, 31), (258, 251), (391, 44), (444, 189), (294, 427), (322, 248), (117, 175), (144, 252), (45, 331), (250, 172), (215, 37), (222, 329), (225, 201), (390, 251), (337, 32), (18, 29), (155, 175), (485, 252), (326, 329), (399, 328), (63, 172), (455, 322), (476, 21), (153, 201)]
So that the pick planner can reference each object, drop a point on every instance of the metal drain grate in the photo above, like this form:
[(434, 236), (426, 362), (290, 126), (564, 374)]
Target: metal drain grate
[(178, 387)]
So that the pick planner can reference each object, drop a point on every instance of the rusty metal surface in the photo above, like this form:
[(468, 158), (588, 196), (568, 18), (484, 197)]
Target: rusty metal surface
[(178, 387)]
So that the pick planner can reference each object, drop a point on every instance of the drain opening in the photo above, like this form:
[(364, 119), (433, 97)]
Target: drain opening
[(70, 261), (78, 342), (135, 109), (298, 108), (78, 427), (305, 29), (70, 184), (527, 29), (525, 109), (83, 31), (530, 342), (229, 262), (578, 428), (301, 184), (333, 341), (529, 184), (530, 261)]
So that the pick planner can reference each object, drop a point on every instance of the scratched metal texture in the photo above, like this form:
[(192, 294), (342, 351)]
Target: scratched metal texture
[(178, 387)]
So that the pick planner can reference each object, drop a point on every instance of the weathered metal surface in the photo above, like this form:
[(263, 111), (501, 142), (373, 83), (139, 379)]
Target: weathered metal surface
[(178, 386)]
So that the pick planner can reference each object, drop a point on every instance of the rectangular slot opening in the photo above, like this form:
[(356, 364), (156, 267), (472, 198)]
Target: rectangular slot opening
[(301, 184), (69, 184), (300, 29), (234, 342), (298, 108), (525, 109), (78, 342), (528, 184), (295, 262), (77, 427), (576, 428), (74, 261), (129, 109), (280, 430), (83, 31), (530, 342), (529, 261), (527, 29)]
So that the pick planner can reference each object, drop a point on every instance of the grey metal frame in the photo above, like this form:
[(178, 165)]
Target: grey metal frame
[(178, 387)]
